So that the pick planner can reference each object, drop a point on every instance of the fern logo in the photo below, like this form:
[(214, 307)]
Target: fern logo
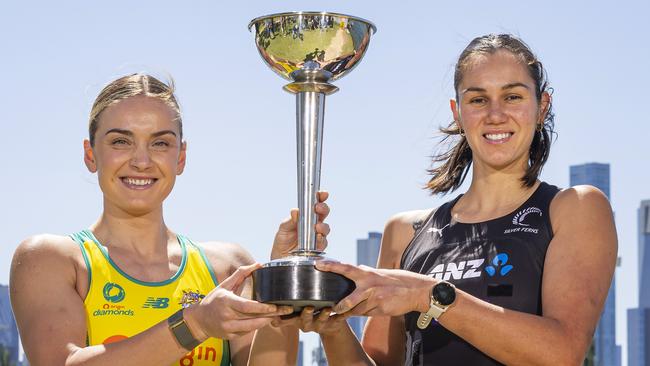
[(519, 218)]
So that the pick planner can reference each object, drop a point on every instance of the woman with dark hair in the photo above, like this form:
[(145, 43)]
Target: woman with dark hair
[(128, 290), (513, 271)]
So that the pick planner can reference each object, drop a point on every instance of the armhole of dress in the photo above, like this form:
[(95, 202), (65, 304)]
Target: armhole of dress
[(552, 193), (418, 231), (77, 237), (203, 257), (225, 354)]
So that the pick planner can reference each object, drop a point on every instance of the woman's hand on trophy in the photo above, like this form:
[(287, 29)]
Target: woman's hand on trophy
[(286, 238), (323, 323), (391, 292), (223, 314)]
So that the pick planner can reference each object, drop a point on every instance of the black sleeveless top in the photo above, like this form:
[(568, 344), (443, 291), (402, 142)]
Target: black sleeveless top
[(500, 261)]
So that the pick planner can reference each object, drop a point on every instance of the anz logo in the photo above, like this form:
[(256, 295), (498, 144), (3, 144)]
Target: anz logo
[(472, 268), (457, 271)]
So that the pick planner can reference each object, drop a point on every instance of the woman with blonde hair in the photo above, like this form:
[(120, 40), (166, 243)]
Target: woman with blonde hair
[(128, 290)]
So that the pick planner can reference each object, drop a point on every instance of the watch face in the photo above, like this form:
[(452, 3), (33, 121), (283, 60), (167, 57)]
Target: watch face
[(444, 293)]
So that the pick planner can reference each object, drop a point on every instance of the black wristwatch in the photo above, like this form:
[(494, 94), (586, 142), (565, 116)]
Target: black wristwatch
[(181, 331), (443, 295)]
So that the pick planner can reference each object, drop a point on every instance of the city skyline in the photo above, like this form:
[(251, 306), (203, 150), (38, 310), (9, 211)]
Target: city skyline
[(367, 255), (644, 253), (8, 331), (380, 128), (638, 322), (607, 352)]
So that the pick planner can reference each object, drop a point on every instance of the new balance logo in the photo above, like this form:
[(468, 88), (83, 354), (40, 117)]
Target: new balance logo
[(457, 271), (156, 303)]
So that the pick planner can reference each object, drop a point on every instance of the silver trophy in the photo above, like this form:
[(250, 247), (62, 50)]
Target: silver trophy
[(311, 49)]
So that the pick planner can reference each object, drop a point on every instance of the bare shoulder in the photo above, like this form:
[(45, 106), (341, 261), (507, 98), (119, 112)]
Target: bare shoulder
[(580, 261), (408, 218), (46, 251), (583, 204), (225, 257), (46, 267), (398, 233)]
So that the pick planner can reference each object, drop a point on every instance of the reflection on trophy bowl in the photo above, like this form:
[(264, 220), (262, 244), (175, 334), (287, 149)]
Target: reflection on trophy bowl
[(335, 42), (294, 281)]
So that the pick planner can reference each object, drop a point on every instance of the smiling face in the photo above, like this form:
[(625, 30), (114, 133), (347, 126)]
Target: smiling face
[(498, 110), (137, 154)]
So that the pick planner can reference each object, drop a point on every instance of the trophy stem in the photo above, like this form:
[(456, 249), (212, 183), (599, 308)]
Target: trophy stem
[(310, 86), (310, 113)]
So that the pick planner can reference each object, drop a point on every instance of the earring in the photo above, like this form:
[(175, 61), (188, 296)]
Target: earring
[(460, 130), (539, 127)]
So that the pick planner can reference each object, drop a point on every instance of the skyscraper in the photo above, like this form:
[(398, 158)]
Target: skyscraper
[(299, 359), (644, 254), (606, 352), (368, 249), (367, 254), (318, 355), (8, 331), (638, 320)]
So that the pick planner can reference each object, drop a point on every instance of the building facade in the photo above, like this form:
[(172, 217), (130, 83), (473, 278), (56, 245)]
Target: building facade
[(8, 330), (367, 254), (318, 357), (644, 254), (605, 350), (299, 359), (638, 320)]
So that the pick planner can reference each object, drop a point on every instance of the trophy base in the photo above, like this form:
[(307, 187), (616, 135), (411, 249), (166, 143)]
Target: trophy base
[(294, 281)]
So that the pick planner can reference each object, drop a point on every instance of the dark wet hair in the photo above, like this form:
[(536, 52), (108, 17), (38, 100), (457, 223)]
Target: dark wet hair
[(451, 167), (130, 86)]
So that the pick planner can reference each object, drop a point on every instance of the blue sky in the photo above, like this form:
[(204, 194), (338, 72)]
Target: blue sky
[(239, 124)]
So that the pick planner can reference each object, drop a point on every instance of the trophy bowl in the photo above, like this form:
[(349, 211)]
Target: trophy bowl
[(336, 42), (310, 49)]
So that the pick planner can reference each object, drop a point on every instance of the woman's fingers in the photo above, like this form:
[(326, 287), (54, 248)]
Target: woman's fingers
[(323, 228), (243, 326), (235, 280), (322, 210), (350, 271), (250, 309), (323, 316), (351, 301), (289, 224), (306, 319), (323, 196)]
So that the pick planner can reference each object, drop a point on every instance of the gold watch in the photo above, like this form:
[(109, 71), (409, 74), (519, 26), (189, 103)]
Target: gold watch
[(443, 295)]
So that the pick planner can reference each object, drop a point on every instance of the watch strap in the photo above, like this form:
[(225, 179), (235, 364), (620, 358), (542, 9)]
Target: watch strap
[(436, 309), (434, 312), (181, 331)]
